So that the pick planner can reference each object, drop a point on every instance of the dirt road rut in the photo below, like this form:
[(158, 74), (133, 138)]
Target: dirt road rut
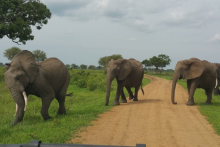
[(153, 120)]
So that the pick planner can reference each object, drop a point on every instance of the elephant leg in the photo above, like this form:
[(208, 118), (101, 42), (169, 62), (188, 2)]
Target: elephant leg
[(188, 85), (118, 92), (136, 93), (61, 101), (192, 87), (46, 101), (123, 98), (130, 93), (209, 96)]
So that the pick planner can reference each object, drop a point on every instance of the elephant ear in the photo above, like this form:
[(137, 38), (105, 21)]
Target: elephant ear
[(125, 69), (27, 61), (195, 68)]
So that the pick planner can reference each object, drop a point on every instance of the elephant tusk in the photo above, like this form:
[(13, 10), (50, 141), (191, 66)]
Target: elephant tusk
[(16, 109), (216, 82), (25, 100)]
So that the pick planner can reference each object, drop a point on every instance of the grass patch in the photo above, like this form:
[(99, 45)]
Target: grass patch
[(83, 107)]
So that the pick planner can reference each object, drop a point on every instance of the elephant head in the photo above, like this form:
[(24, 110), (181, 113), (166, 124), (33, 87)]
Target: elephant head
[(20, 72), (118, 69), (186, 69)]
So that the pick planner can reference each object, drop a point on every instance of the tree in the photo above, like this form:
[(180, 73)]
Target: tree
[(146, 63), (68, 66), (83, 66), (17, 17), (99, 67), (91, 67), (39, 55), (161, 61), (74, 66), (1, 64), (104, 60), (165, 60), (11, 52)]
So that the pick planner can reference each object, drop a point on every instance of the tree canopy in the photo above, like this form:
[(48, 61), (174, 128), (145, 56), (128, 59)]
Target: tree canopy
[(104, 60), (11, 52), (161, 60), (39, 55), (17, 17)]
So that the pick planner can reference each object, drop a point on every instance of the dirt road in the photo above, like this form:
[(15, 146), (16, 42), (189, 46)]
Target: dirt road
[(153, 120)]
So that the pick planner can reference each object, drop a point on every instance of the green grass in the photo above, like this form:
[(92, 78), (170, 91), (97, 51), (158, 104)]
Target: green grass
[(83, 107), (211, 112)]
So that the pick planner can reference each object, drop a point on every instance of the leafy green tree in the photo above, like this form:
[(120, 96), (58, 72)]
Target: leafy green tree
[(39, 55), (17, 17), (146, 63), (91, 67), (161, 61), (165, 60), (1, 64), (83, 66), (11, 52), (74, 66), (68, 66), (99, 67), (104, 60)]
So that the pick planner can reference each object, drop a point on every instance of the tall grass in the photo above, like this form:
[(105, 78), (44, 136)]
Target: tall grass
[(83, 107)]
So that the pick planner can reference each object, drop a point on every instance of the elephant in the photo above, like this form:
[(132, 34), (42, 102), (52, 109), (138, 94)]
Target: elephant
[(128, 73), (216, 88), (48, 79), (199, 74)]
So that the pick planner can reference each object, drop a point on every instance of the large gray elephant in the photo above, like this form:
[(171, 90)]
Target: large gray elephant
[(199, 74), (48, 80), (128, 73), (216, 88)]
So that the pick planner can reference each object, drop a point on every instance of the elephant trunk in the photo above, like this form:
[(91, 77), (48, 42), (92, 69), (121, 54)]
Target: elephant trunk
[(20, 102), (108, 87), (175, 78)]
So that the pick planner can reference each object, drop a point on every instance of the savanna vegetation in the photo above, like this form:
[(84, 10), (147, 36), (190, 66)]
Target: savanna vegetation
[(87, 102)]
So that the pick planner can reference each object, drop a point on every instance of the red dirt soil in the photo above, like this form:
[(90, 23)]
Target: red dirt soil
[(153, 120)]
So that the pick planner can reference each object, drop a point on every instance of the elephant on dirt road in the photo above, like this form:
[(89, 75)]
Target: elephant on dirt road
[(128, 73), (48, 80), (199, 74)]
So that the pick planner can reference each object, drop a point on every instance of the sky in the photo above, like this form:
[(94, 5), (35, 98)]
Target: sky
[(83, 31)]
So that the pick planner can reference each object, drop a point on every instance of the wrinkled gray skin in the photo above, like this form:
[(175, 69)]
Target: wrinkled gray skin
[(48, 80), (216, 89), (199, 74), (128, 73)]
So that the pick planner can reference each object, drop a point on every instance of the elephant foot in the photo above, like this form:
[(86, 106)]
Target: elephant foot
[(135, 99), (130, 97), (116, 103), (124, 101), (190, 103), (61, 113), (16, 121)]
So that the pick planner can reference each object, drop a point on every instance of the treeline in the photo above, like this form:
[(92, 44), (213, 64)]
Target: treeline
[(155, 63)]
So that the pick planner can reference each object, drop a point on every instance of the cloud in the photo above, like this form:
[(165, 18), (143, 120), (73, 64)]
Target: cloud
[(215, 39), (131, 39)]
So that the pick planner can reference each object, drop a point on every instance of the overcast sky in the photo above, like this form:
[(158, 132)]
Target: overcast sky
[(83, 31)]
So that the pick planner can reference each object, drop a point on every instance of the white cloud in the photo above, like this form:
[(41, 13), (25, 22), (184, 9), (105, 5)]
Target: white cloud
[(215, 39)]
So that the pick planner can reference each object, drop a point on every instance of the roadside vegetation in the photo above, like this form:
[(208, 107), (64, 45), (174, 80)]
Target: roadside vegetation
[(87, 102), (211, 112)]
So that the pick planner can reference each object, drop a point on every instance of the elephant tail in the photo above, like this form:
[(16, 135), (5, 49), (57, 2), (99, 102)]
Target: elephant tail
[(69, 94), (142, 89)]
